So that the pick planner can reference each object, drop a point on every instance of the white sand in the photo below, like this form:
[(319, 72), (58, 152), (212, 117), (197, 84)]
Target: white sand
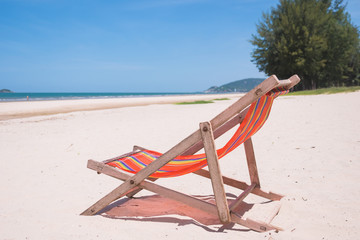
[(309, 150)]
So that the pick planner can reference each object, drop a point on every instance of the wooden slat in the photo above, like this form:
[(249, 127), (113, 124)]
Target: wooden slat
[(294, 80), (284, 83), (289, 83), (251, 162), (121, 156), (258, 226), (242, 185), (228, 181), (136, 147), (241, 197), (215, 173)]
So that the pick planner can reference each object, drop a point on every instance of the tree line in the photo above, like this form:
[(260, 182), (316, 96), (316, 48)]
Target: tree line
[(312, 38)]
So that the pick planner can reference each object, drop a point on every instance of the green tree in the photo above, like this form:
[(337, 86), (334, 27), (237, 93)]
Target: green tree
[(342, 67), (312, 38)]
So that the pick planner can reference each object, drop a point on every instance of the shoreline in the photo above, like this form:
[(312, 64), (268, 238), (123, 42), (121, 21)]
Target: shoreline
[(24, 109), (54, 96)]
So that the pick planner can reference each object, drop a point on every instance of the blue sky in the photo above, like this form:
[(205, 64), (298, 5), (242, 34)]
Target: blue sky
[(129, 45)]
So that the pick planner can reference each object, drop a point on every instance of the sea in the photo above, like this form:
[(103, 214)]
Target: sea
[(13, 97)]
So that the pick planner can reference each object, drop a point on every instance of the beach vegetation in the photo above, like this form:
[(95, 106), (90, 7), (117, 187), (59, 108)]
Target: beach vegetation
[(221, 99), (202, 101), (195, 102), (314, 39)]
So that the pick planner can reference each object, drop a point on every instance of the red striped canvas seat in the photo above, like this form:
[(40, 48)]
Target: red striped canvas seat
[(253, 121)]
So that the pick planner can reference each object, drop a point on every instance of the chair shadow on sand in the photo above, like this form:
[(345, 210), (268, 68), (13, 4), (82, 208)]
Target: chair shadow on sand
[(156, 208)]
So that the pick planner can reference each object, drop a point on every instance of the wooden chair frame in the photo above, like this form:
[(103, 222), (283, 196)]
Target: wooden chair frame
[(202, 138)]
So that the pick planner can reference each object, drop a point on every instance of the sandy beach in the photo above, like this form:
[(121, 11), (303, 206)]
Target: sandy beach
[(11, 110), (309, 151)]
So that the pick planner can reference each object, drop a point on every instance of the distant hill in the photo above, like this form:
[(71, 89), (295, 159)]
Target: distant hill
[(5, 91), (243, 85)]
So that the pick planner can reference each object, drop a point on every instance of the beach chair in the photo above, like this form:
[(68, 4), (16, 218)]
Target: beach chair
[(145, 166)]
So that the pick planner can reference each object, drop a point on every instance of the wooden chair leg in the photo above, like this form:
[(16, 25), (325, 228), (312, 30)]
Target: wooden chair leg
[(241, 197), (250, 157), (214, 169)]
